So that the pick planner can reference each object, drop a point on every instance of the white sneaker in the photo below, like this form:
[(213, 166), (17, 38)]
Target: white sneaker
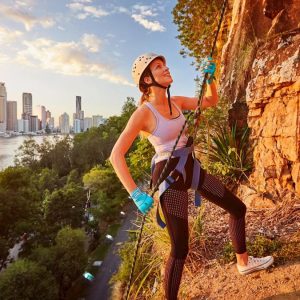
[(255, 264)]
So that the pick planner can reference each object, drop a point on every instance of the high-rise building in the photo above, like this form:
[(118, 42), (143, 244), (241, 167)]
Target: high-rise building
[(97, 120), (3, 100), (12, 121), (81, 118), (40, 111), (33, 123), (76, 126), (27, 105), (87, 123), (48, 114), (43, 117), (78, 106), (64, 123), (23, 125), (50, 122)]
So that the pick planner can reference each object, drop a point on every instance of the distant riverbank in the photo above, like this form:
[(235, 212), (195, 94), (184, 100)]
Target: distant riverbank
[(9, 146)]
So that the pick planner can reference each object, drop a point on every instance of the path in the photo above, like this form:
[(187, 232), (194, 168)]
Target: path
[(100, 289)]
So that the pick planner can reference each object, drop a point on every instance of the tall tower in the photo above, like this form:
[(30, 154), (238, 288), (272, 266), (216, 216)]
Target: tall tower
[(12, 122), (64, 123), (78, 106), (3, 100), (40, 111), (27, 105)]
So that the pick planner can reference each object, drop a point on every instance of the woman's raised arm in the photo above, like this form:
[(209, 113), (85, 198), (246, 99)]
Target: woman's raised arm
[(190, 103)]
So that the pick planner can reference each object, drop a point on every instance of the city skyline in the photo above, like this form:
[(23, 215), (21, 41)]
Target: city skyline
[(59, 49), (35, 117), (20, 108)]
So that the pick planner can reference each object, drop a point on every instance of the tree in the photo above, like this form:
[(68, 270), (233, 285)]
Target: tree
[(94, 146), (107, 192), (27, 155), (70, 257), (197, 23), (47, 129), (61, 156), (140, 160), (65, 206), (45, 153), (66, 259), (87, 150), (26, 280), (47, 179), (21, 202)]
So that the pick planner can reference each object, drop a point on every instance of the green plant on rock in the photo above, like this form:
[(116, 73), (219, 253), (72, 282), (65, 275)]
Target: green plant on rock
[(230, 154), (261, 246), (198, 226)]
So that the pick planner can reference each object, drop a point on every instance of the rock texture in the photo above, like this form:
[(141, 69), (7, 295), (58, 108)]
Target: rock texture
[(273, 98), (261, 68)]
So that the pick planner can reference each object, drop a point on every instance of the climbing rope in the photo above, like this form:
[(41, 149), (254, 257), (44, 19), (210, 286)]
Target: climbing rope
[(196, 116)]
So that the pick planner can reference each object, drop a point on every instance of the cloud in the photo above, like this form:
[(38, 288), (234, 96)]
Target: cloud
[(83, 11), (141, 14), (119, 9), (116, 53), (84, 1), (122, 9), (8, 36), (26, 19), (68, 58), (144, 10), (27, 4), (4, 58), (153, 26), (91, 42)]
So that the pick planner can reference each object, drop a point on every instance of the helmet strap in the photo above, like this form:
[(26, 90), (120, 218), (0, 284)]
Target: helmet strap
[(169, 99), (154, 83)]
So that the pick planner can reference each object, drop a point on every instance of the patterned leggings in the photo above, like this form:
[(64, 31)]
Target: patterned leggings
[(174, 205)]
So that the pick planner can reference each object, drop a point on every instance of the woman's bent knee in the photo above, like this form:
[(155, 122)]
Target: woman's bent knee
[(240, 212)]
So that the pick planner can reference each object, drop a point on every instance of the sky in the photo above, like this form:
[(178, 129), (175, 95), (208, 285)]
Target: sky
[(61, 49)]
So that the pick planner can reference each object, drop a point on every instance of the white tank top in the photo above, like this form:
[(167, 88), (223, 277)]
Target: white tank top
[(166, 132)]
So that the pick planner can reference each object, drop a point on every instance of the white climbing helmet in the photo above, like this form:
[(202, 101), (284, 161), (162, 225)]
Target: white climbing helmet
[(141, 63)]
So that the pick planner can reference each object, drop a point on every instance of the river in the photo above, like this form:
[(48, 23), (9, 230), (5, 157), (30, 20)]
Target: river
[(9, 146)]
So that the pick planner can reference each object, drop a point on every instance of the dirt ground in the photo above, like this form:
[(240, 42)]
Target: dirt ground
[(205, 278), (224, 282)]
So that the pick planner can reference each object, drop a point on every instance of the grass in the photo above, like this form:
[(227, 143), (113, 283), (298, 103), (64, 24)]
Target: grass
[(154, 243), (262, 246)]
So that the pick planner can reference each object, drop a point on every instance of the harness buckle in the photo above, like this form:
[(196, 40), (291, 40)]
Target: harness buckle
[(175, 174)]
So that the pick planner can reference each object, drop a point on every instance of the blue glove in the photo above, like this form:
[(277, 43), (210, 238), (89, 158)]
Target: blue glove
[(209, 67), (142, 200)]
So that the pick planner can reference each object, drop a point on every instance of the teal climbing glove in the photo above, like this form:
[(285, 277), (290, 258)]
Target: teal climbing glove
[(142, 200), (208, 67)]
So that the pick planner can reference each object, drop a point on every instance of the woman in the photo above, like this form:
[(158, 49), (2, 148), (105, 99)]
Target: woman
[(160, 116)]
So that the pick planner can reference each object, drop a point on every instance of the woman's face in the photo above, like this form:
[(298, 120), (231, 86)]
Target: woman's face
[(161, 72)]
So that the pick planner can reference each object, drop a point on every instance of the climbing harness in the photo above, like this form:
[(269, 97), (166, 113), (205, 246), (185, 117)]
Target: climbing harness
[(182, 153), (179, 170)]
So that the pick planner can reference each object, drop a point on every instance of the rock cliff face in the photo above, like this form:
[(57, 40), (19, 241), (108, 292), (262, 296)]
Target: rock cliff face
[(261, 68)]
